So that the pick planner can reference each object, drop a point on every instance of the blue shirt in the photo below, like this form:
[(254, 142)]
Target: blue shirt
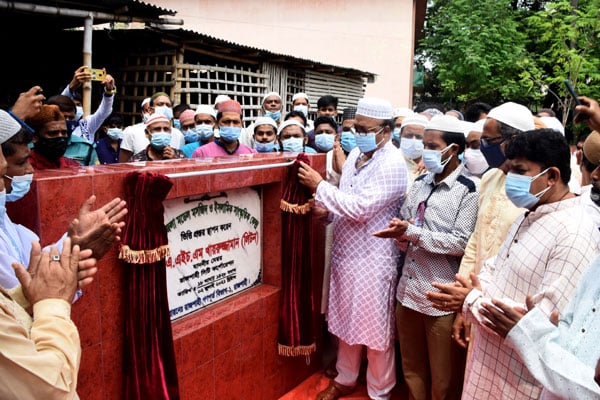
[(106, 153)]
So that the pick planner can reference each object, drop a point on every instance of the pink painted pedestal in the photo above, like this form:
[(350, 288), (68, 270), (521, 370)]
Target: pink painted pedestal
[(225, 351)]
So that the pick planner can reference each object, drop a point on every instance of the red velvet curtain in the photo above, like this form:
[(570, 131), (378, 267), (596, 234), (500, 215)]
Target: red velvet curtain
[(149, 366), (297, 334)]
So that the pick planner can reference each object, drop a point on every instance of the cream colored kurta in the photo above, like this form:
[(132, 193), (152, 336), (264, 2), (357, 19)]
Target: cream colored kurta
[(38, 359)]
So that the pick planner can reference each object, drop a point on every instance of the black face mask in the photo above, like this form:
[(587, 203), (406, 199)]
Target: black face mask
[(595, 195), (51, 148)]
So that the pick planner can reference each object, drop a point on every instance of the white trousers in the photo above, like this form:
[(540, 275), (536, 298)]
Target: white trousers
[(381, 369)]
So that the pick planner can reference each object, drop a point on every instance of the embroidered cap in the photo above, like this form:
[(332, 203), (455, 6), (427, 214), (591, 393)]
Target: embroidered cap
[(374, 107), (157, 117), (8, 126), (186, 116)]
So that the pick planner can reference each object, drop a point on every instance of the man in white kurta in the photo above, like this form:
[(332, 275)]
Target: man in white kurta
[(364, 269)]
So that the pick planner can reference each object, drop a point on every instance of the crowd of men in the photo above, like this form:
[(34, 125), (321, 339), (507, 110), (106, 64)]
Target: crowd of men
[(472, 239)]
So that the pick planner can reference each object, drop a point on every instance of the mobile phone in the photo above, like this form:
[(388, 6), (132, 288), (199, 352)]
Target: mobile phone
[(97, 74), (572, 92)]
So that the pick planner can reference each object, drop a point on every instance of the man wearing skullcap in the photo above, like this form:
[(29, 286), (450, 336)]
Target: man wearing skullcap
[(563, 357), (265, 135), (546, 270), (135, 138), (410, 136), (40, 307), (301, 104), (50, 139), (364, 269), (496, 212), (399, 114), (158, 132), (434, 225), (271, 107), (474, 159), (205, 118), (229, 122), (291, 136)]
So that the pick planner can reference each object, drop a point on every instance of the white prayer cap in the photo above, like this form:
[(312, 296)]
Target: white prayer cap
[(553, 123), (289, 122), (8, 126), (415, 119), (221, 98), (265, 121), (467, 126), (147, 100), (374, 107), (402, 112), (445, 123), (299, 95), (474, 127), (206, 109), (269, 95), (514, 115)]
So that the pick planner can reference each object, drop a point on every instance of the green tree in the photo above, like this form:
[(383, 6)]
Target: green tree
[(477, 50), (564, 41)]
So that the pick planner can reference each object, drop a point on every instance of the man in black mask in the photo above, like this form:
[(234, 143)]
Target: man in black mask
[(50, 139)]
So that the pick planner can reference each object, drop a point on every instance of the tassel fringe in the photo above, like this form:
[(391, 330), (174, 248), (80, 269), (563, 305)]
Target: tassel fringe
[(293, 351), (143, 256), (296, 208)]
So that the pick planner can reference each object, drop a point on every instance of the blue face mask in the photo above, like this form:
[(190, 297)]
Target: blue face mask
[(114, 133), (164, 110), (324, 141), (366, 142), (190, 136), (160, 140), (302, 108), (230, 134), (275, 115), (517, 189), (205, 131), (412, 148), (348, 142), (293, 145), (19, 186), (264, 147), (396, 134), (433, 160), (177, 124), (78, 113), (493, 154)]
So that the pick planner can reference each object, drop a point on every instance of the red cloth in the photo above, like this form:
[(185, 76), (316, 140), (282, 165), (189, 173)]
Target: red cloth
[(297, 334), (149, 357), (39, 162)]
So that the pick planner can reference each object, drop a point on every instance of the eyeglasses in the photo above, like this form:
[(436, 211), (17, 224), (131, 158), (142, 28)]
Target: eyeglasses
[(367, 132), (490, 141)]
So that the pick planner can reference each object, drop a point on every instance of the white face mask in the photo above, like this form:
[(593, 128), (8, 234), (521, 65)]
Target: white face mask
[(475, 161)]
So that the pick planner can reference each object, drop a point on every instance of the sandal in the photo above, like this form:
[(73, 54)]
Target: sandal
[(334, 391)]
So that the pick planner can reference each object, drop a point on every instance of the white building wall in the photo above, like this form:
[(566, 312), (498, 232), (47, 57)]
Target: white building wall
[(369, 35)]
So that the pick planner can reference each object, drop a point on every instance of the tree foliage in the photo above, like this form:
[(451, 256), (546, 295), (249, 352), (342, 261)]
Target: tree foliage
[(518, 50)]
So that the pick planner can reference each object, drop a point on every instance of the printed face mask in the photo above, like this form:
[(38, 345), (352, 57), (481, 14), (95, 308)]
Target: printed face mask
[(517, 189)]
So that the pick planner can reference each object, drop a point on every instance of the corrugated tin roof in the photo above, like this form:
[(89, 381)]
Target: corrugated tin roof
[(66, 14), (226, 49)]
